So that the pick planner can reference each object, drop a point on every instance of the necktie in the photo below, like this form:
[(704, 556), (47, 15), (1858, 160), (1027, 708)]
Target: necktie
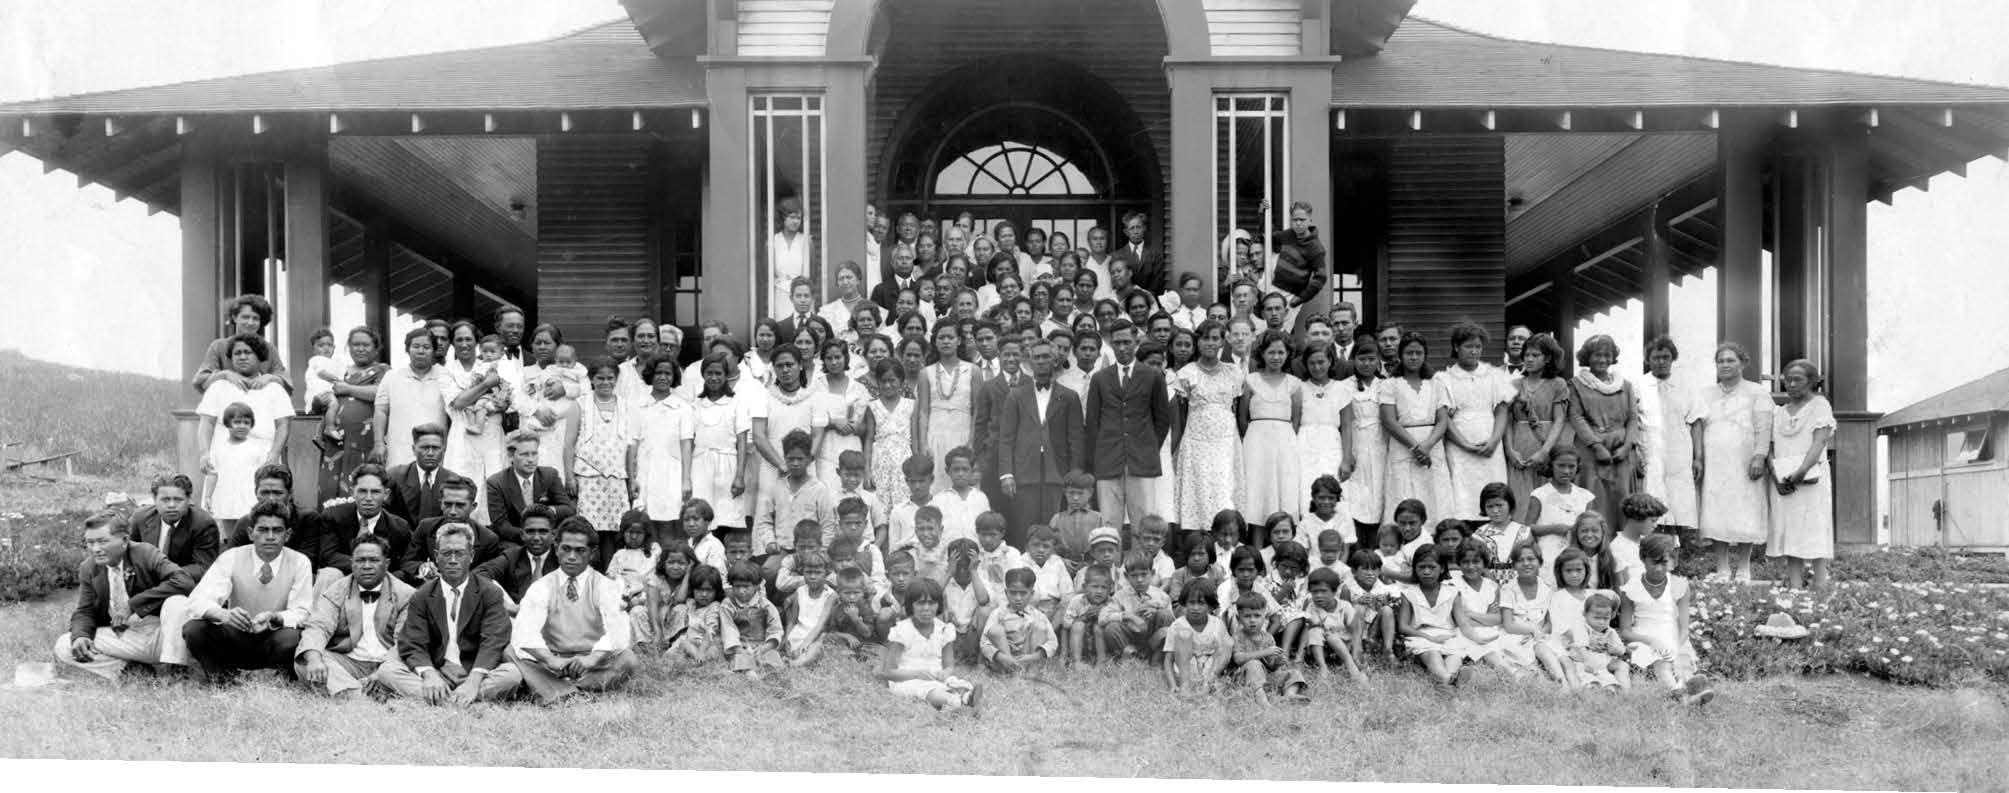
[(528, 492), (572, 588), (265, 573), (115, 583), (1122, 376), (370, 595), (453, 601), (425, 494), (452, 653), (166, 529)]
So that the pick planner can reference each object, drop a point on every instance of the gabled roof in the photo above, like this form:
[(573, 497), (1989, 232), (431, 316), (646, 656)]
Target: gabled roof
[(606, 66), (1429, 64), (1988, 394)]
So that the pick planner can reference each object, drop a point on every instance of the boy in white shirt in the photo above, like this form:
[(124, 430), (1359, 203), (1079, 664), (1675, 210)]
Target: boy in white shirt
[(1052, 585), (994, 557), (963, 502)]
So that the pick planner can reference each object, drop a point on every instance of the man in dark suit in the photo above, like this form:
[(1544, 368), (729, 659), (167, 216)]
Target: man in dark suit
[(274, 483), (456, 501), (1147, 262), (1044, 438), (353, 626), (512, 491), (1128, 416), (887, 293), (415, 485), (123, 586), (183, 532), (801, 299), (364, 514), (987, 403), (521, 565), (454, 647)]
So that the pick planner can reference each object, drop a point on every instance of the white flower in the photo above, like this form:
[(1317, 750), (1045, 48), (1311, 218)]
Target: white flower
[(1905, 659)]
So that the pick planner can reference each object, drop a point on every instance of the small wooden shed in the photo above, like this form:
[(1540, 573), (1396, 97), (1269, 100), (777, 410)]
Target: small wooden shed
[(1949, 481)]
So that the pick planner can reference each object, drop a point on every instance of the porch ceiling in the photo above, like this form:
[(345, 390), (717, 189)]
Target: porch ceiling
[(456, 191)]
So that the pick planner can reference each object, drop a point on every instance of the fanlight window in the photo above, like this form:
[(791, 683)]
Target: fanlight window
[(1010, 168)]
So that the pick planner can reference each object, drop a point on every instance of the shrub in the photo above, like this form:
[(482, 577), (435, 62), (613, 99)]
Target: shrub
[(40, 557), (1934, 634)]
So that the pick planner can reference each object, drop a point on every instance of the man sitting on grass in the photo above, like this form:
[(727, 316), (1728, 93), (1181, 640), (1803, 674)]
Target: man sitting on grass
[(124, 583), (353, 627), (571, 632), (455, 643), (247, 611)]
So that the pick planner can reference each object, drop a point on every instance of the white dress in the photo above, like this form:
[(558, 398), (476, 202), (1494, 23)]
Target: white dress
[(1519, 649), (1436, 615), (1674, 458), (1363, 493), (1803, 524), (787, 413), (1319, 442), (474, 455), (948, 418), (1736, 426), (1473, 396), (920, 653), (1655, 617), (1271, 465), (850, 403), (1210, 449), (661, 427), (1416, 410), (785, 261), (715, 455), (1565, 613), (809, 613)]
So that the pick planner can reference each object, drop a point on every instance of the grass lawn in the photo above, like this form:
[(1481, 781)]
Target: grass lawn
[(1832, 732)]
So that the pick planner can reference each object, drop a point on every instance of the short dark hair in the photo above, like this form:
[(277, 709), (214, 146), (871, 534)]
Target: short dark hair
[(540, 511), (172, 480), (256, 342), (258, 304), (578, 526), (274, 471), (109, 519), (369, 469), (371, 538), (266, 509), (428, 428)]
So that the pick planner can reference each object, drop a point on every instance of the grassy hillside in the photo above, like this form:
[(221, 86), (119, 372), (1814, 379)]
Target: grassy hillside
[(120, 422)]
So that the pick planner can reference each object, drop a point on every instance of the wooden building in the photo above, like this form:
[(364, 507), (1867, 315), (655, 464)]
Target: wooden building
[(1949, 482), (634, 167)]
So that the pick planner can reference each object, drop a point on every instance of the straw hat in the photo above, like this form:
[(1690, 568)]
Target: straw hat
[(1782, 626)]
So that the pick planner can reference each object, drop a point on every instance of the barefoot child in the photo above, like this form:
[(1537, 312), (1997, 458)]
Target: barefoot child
[(1524, 612), (1135, 619), (1566, 607), (697, 525), (755, 619), (1261, 664), (1428, 623), (920, 659), (1329, 630), (966, 600), (1373, 599), (1653, 620), (1018, 637), (709, 628), (810, 607), (1082, 618), (1197, 646), (661, 616)]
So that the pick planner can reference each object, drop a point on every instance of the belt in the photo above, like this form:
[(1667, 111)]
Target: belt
[(1418, 426), (1252, 421)]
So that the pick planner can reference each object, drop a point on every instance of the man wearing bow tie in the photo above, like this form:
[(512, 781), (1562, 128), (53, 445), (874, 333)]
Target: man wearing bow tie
[(1042, 438), (509, 325), (455, 643), (353, 626), (124, 583), (1128, 415), (247, 611), (571, 633)]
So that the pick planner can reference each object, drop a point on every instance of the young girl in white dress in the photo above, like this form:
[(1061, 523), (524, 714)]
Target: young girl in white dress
[(1480, 618), (844, 400), (1524, 610), (1557, 504), (920, 658), (1416, 412), (721, 455), (1271, 407), (943, 397), (1427, 618), (1323, 401), (1571, 570), (1209, 447), (1653, 620), (1478, 393), (889, 431), (1364, 470)]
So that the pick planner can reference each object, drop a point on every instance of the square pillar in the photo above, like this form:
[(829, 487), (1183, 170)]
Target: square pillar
[(1844, 165), (201, 259), (306, 255), (727, 258), (1740, 196), (1658, 275), (1193, 246), (845, 116)]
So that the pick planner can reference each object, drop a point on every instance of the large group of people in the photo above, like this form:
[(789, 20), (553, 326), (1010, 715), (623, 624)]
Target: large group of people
[(1029, 462)]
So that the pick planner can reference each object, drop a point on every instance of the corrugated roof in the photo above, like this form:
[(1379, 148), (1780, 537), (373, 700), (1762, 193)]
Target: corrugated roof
[(1429, 64), (601, 67), (1988, 394)]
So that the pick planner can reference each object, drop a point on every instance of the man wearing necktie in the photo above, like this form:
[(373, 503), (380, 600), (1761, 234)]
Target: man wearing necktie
[(415, 485), (523, 484), (1146, 269), (353, 626), (364, 515), (247, 610), (1129, 414), (183, 532), (455, 642), (986, 409), (520, 566), (887, 294), (456, 500), (124, 583), (1041, 438), (571, 632)]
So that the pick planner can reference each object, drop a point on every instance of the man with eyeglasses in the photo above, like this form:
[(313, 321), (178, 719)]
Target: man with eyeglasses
[(353, 626), (456, 505), (455, 643), (571, 633)]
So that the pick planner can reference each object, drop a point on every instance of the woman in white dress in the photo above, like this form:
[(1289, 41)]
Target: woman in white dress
[(1208, 446), (1165, 501), (844, 399), (1730, 462), (787, 258), (1803, 496), (1415, 413), (1478, 393), (791, 406), (473, 452), (1271, 408), (1320, 440), (942, 397), (1673, 450), (664, 427), (1363, 472), (548, 402), (723, 467), (850, 295)]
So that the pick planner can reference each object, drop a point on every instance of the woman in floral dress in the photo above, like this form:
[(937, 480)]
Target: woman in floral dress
[(889, 433), (603, 465), (355, 406), (1209, 447)]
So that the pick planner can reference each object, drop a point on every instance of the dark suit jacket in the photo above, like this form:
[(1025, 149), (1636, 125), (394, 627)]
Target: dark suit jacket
[(512, 570), (1146, 271), (340, 525), (986, 408), (887, 293), (482, 627), (1036, 455), (306, 537), (194, 544), (506, 500), (786, 329), (409, 501), (1125, 426), (150, 580), (486, 546)]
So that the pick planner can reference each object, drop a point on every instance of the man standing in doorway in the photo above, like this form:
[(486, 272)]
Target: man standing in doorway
[(1146, 261), (1128, 416)]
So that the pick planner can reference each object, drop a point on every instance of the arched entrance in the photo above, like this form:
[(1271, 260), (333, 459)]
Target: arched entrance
[(1041, 143)]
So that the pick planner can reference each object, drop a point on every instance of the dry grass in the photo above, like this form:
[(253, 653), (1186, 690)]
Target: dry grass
[(120, 422), (1832, 732)]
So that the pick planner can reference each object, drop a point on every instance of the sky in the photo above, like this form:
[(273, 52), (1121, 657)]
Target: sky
[(70, 253)]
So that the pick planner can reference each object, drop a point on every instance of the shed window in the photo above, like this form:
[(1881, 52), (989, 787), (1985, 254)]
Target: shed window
[(1967, 446)]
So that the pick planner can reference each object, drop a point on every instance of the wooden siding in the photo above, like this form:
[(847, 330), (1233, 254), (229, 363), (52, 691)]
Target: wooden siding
[(1973, 496), (592, 234), (783, 27), (1447, 237), (1241, 28)]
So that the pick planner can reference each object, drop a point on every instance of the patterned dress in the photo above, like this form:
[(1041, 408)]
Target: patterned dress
[(352, 415), (1210, 450), (1272, 468), (949, 417), (892, 444), (1474, 396), (600, 467), (1532, 416)]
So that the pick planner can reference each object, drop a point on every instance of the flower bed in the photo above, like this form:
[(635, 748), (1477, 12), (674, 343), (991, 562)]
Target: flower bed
[(1888, 565), (1928, 633)]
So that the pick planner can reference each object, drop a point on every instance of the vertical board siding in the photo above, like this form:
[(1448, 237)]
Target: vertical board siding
[(1447, 237), (1243, 28), (592, 234), (783, 27)]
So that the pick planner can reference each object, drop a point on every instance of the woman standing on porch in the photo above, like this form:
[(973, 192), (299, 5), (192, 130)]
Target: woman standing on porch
[(1415, 414), (407, 397), (1730, 462), (1803, 499), (1605, 415), (473, 451), (1478, 393), (602, 466), (1539, 415), (787, 257), (351, 435)]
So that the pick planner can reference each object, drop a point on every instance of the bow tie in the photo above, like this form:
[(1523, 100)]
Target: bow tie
[(513, 355), (1038, 387), (370, 595)]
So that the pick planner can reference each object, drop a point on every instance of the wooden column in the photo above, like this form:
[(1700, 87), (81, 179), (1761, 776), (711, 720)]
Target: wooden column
[(845, 112), (1192, 186), (728, 253), (1565, 286), (201, 258), (1796, 209), (1659, 275), (1844, 162), (306, 254), (1739, 309)]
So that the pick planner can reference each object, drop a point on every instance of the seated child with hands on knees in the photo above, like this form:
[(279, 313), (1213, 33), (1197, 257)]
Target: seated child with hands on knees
[(1017, 636), (665, 602), (1259, 662), (1596, 654), (1374, 601), (1134, 620), (1428, 620), (920, 658), (1328, 628), (1082, 618), (1653, 620), (1198, 646), (708, 628), (854, 624), (755, 619), (966, 599)]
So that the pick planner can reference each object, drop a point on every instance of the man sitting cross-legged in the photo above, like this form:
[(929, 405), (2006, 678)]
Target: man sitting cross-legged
[(247, 611), (353, 626), (124, 583), (571, 632), (455, 644)]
